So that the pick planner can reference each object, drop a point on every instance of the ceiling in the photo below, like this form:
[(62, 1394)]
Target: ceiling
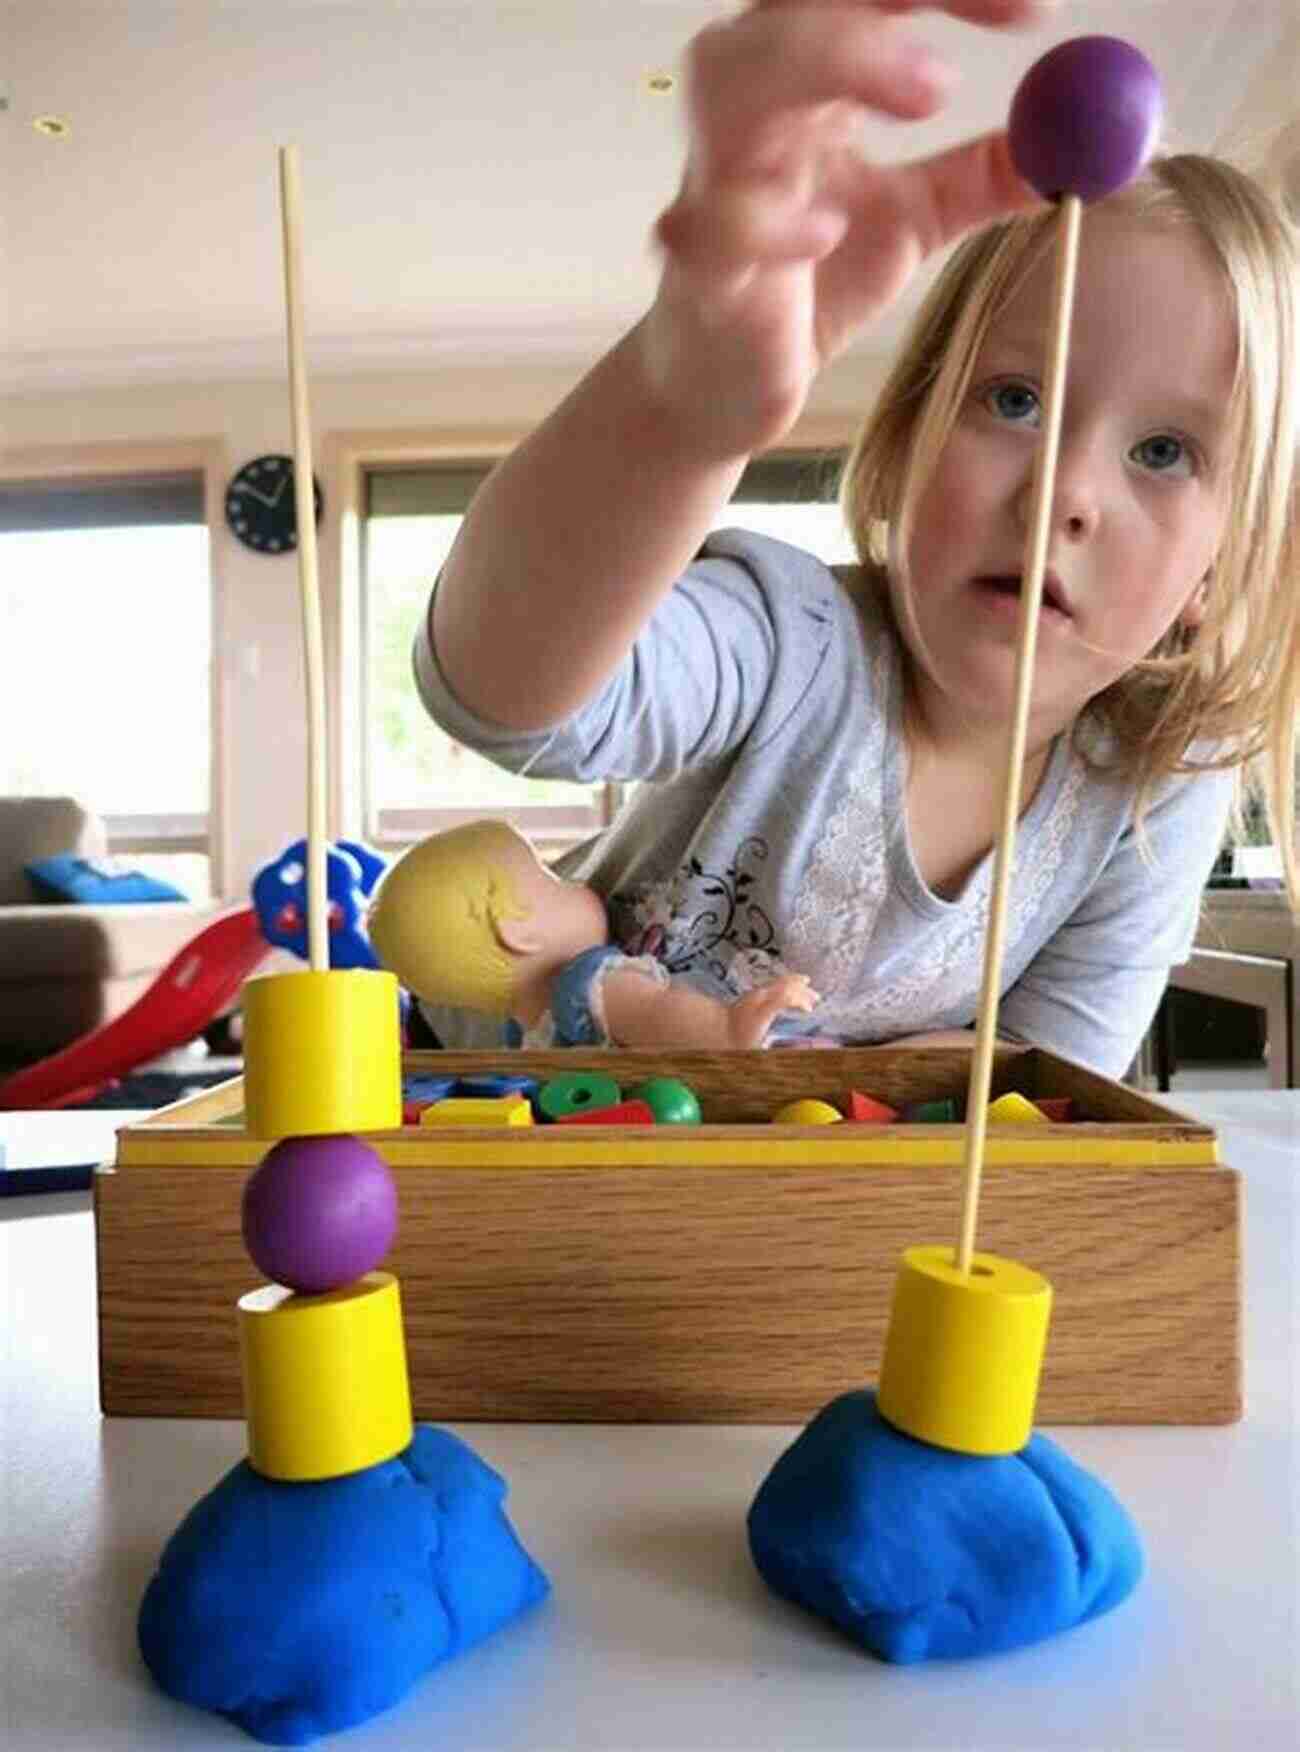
[(479, 180)]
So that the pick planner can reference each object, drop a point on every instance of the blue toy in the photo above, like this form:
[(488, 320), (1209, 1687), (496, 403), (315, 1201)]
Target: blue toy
[(280, 899)]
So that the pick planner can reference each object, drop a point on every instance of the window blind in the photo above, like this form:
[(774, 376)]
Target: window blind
[(433, 491), (28, 506), (445, 490)]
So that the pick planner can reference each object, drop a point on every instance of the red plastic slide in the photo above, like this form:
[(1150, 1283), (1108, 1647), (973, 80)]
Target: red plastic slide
[(191, 991)]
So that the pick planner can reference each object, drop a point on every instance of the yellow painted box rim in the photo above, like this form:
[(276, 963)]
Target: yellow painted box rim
[(1153, 1136)]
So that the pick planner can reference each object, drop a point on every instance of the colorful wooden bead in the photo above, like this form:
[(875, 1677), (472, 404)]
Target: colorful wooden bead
[(577, 1092), (807, 1112), (497, 1083), (512, 1110), (322, 1053), (671, 1101), (318, 1212), (325, 1383), (1014, 1109), (621, 1113), (963, 1352), (1085, 118), (940, 1112), (866, 1110), (421, 1090)]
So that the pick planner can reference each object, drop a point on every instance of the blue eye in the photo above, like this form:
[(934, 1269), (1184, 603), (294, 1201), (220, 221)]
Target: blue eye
[(1014, 402), (1163, 454)]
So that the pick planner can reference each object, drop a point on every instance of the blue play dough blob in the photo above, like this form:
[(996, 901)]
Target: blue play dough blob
[(920, 1553), (300, 1609)]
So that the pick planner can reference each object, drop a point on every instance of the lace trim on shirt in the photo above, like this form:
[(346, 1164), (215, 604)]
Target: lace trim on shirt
[(838, 902), (951, 980), (844, 889)]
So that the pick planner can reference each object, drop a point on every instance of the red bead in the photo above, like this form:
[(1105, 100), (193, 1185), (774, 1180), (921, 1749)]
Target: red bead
[(623, 1113)]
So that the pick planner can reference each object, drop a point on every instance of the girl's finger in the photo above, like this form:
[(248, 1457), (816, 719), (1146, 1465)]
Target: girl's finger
[(919, 208), (744, 227), (749, 76), (964, 187)]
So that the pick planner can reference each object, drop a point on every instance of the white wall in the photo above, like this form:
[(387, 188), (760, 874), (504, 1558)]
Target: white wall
[(259, 663)]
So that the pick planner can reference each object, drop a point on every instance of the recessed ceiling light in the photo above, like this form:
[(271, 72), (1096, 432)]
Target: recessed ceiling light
[(660, 84), (53, 127)]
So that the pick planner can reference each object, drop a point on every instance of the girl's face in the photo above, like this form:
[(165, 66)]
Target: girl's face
[(1140, 484)]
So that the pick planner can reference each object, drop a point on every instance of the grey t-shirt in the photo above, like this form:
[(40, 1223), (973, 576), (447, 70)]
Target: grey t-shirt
[(762, 709)]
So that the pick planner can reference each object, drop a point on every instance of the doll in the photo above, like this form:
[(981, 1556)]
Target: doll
[(473, 918)]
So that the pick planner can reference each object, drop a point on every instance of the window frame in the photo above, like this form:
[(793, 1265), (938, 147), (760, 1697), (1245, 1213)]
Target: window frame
[(59, 467), (348, 457)]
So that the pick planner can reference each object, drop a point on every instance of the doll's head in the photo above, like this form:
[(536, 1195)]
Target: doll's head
[(474, 918)]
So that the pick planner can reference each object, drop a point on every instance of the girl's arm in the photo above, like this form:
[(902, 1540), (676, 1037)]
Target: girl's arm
[(570, 543), (782, 243)]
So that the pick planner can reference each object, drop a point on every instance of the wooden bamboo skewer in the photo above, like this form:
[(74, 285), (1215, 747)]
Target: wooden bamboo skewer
[(981, 1073), (308, 572)]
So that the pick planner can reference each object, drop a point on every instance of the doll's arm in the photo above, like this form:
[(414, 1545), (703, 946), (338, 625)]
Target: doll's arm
[(641, 1011)]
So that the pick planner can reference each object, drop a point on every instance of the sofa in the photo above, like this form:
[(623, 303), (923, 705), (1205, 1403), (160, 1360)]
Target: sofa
[(67, 968)]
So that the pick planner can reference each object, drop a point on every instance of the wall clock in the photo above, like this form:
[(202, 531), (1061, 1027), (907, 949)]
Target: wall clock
[(260, 505)]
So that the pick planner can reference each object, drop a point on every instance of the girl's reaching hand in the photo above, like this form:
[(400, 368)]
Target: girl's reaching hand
[(784, 240)]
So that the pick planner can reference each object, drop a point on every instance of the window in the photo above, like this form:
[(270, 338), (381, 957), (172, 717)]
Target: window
[(105, 659), (793, 497), (417, 779)]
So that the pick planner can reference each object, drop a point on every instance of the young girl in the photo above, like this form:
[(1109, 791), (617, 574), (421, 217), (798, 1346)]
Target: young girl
[(824, 753)]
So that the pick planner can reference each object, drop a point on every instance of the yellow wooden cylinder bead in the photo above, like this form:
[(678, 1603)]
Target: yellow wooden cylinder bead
[(963, 1353), (322, 1053), (807, 1112), (326, 1390)]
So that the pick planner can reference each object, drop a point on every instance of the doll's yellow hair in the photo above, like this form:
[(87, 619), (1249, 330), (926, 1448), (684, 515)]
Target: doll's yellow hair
[(433, 921)]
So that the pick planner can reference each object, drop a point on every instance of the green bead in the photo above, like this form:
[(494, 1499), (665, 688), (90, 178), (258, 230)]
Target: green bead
[(577, 1092), (941, 1112), (671, 1102)]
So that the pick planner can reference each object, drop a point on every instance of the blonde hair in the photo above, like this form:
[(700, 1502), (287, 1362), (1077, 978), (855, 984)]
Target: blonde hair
[(1234, 682), (433, 920)]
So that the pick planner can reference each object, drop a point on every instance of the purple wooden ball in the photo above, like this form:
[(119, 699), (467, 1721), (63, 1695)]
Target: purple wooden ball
[(319, 1212), (1085, 118)]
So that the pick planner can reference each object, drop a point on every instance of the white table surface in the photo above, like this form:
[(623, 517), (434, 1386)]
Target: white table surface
[(659, 1634)]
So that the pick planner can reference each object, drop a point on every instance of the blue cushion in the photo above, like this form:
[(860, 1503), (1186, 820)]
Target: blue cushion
[(919, 1553), (300, 1609), (89, 882)]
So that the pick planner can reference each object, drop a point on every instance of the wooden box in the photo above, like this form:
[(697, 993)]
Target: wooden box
[(738, 1271)]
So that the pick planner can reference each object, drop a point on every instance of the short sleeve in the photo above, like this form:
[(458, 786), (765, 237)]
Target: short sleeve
[(726, 656), (1091, 992)]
